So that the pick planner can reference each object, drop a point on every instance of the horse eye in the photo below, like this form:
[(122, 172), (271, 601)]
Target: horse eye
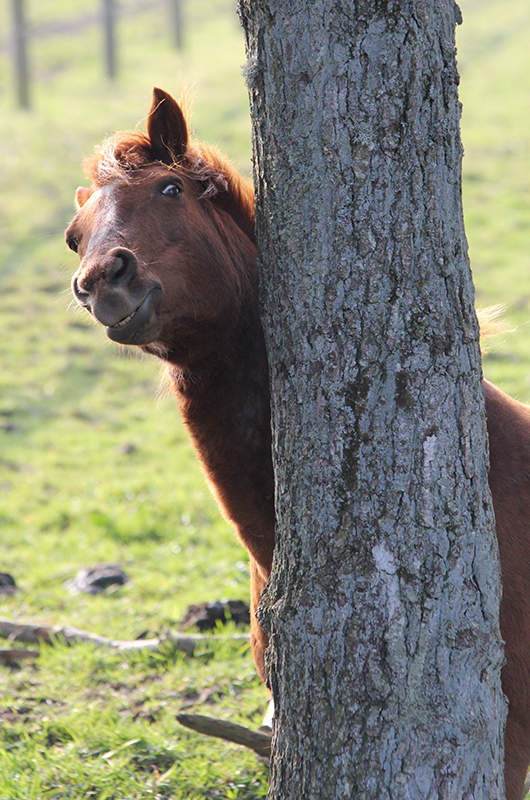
[(73, 243), (171, 190)]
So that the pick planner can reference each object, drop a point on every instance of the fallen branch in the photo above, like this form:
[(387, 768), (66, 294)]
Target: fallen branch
[(259, 741), (33, 634), (13, 656)]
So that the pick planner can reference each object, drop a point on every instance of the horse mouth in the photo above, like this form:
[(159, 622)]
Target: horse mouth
[(140, 326)]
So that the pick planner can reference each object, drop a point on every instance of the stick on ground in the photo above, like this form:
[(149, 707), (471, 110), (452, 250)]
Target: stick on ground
[(259, 741), (33, 634)]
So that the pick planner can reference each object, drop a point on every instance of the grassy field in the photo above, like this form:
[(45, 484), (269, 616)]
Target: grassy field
[(94, 463), (494, 62)]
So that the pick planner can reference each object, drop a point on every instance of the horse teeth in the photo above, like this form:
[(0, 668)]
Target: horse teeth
[(124, 321)]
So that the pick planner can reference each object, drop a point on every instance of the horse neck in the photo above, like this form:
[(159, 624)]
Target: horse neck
[(226, 366), (222, 387), (225, 405)]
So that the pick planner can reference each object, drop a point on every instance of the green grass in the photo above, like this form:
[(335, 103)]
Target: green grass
[(94, 462), (494, 62), (110, 731)]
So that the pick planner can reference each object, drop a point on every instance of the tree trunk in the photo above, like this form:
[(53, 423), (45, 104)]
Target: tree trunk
[(382, 609)]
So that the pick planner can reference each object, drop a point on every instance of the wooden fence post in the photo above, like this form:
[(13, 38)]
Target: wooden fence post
[(109, 19), (20, 54), (177, 22)]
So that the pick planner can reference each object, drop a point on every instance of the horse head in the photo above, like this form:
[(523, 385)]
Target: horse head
[(164, 235)]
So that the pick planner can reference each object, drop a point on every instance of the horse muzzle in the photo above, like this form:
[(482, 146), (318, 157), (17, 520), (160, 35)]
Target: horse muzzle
[(113, 292), (141, 325)]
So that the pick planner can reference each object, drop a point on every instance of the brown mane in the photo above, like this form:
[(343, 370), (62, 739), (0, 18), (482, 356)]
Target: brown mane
[(127, 152)]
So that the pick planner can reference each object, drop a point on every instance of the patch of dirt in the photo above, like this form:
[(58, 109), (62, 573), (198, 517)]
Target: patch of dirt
[(206, 616), (7, 584), (94, 580)]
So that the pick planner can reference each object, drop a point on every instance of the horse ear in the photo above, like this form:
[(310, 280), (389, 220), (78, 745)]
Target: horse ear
[(167, 128), (82, 194)]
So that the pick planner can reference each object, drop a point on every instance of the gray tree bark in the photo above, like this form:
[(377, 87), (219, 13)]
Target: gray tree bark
[(385, 653)]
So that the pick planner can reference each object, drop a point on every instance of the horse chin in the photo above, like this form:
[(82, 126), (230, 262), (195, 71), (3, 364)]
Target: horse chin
[(143, 337), (142, 326)]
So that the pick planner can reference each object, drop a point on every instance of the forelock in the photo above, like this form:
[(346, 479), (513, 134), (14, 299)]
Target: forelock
[(124, 153), (117, 157)]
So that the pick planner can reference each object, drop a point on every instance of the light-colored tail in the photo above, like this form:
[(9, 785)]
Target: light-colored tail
[(491, 322)]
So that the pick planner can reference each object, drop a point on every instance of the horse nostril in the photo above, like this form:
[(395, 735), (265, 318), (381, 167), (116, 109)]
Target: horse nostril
[(80, 294), (104, 275), (122, 268)]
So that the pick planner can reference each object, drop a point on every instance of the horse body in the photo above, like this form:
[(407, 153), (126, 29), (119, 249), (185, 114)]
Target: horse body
[(509, 480), (168, 263)]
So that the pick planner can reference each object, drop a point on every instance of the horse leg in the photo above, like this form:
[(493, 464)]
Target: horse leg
[(516, 742), (516, 757), (516, 687), (259, 641)]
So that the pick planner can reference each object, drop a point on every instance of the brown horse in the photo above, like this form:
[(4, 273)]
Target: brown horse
[(165, 235)]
